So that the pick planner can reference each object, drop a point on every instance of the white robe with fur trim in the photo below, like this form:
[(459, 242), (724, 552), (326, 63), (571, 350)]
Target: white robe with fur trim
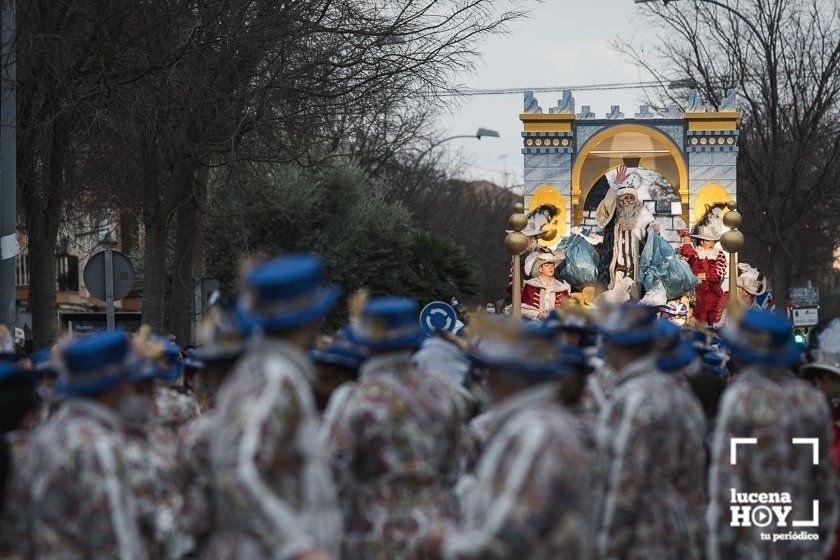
[(627, 244)]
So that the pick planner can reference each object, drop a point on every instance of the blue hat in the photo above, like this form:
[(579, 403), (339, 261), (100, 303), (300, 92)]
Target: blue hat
[(191, 360), (676, 308), (714, 363), (160, 357), (574, 358), (341, 352), (283, 293), (43, 362), (674, 352), (520, 348), (11, 370), (629, 323), (219, 336), (387, 323), (762, 337), (95, 363), (171, 366)]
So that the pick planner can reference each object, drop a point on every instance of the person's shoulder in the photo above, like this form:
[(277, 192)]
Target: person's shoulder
[(561, 286)]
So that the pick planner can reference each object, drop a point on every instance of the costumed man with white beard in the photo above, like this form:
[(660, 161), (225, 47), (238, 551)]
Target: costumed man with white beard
[(626, 223)]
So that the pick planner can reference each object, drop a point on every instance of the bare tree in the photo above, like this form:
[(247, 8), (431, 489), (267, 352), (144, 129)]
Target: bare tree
[(71, 56), (783, 57)]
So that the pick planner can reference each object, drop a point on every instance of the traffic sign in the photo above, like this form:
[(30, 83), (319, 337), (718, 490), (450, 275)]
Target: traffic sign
[(438, 316), (805, 296), (109, 276), (805, 316), (122, 277)]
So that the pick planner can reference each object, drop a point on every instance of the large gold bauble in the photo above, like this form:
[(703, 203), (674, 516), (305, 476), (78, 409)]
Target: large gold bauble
[(519, 208), (516, 243), (732, 241), (732, 219), (518, 221)]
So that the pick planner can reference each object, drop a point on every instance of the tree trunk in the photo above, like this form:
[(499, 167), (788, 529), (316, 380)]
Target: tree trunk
[(780, 280), (128, 231), (154, 274), (188, 243), (43, 214), (42, 284)]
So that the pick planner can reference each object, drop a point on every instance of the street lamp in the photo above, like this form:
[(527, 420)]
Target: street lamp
[(479, 134)]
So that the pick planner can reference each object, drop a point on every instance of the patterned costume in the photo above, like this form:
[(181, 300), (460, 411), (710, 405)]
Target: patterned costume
[(274, 494), (712, 263), (149, 458), (774, 407), (175, 408), (194, 479), (76, 483), (396, 443), (650, 440), (532, 497)]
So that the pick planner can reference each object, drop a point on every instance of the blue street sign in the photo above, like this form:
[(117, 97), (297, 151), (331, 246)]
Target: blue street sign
[(438, 316)]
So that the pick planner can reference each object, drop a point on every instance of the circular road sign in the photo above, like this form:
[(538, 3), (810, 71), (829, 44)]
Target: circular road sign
[(123, 276), (438, 316)]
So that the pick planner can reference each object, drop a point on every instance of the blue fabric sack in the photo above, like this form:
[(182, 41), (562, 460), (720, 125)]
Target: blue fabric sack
[(659, 263), (580, 267)]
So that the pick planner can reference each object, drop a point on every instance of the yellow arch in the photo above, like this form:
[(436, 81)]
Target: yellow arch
[(612, 167), (610, 132), (710, 193), (548, 194)]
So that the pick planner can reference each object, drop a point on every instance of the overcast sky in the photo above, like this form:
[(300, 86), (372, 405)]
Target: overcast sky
[(562, 42)]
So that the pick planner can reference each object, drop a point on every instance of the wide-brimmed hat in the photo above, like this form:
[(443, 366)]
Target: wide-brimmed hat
[(43, 362), (751, 280), (675, 308), (520, 348), (675, 353), (629, 323), (283, 293), (533, 227), (219, 336), (762, 337), (157, 356), (387, 323), (12, 370), (190, 361), (535, 260), (95, 363), (714, 362), (341, 351), (825, 355), (573, 319), (707, 233)]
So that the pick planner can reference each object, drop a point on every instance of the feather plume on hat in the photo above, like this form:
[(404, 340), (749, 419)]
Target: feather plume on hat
[(826, 354), (751, 280), (148, 347)]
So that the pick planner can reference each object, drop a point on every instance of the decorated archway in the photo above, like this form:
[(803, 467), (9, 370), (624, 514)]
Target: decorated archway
[(614, 146), (567, 153)]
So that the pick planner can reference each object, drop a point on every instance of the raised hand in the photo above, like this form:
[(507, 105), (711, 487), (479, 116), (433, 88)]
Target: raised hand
[(621, 174)]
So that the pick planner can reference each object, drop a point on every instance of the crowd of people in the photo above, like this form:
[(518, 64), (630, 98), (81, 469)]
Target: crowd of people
[(592, 432)]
